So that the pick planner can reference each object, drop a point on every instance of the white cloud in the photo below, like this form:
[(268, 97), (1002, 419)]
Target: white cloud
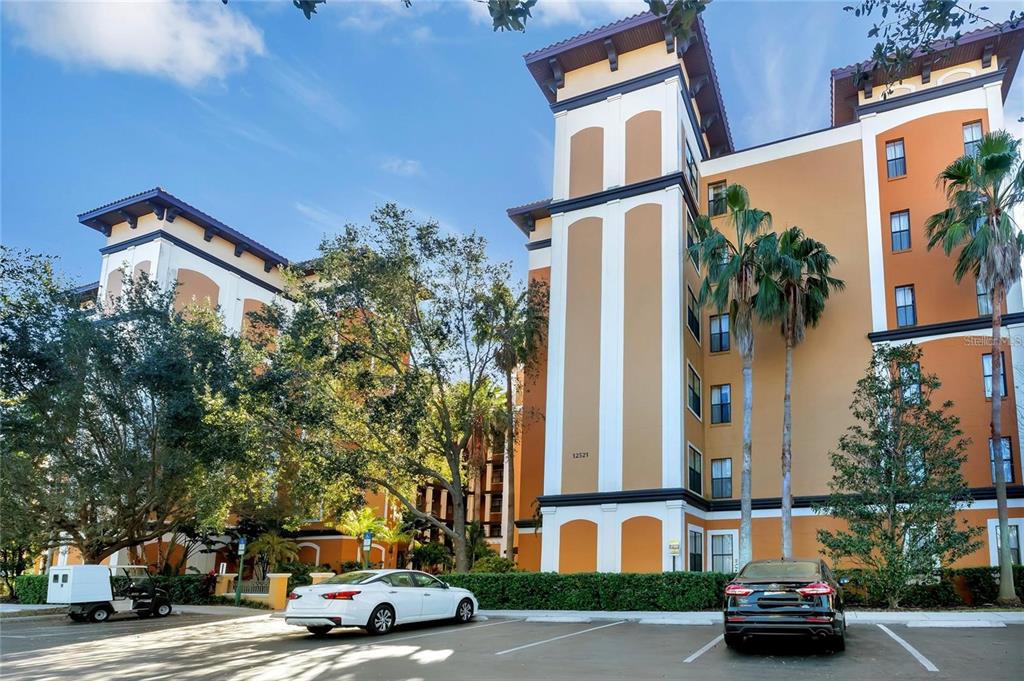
[(322, 218), (189, 43), (311, 94), (224, 122), (405, 167)]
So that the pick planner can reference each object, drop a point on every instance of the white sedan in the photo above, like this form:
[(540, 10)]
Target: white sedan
[(377, 600)]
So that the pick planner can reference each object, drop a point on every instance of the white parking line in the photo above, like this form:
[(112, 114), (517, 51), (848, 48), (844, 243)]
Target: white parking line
[(558, 638), (438, 633), (925, 662), (708, 646)]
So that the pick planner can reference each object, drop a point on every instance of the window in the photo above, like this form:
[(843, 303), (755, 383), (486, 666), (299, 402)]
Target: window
[(696, 551), (895, 159), (721, 403), (721, 478), (692, 175), (696, 466), (55, 577), (693, 391), (986, 371), (691, 240), (721, 553), (910, 377), (716, 199), (972, 138), (1006, 457), (899, 224), (984, 300), (719, 333), (917, 469), (692, 314), (425, 581), (906, 312), (1015, 555)]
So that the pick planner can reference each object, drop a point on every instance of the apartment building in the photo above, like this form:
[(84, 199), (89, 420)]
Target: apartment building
[(214, 264), (637, 455)]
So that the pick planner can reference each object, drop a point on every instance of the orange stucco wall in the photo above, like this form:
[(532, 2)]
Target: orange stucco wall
[(586, 162), (577, 546), (530, 462), (641, 544)]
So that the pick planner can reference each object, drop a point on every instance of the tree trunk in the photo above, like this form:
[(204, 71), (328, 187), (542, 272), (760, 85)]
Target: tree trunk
[(746, 343), (787, 456), (510, 470), (1007, 593), (459, 542)]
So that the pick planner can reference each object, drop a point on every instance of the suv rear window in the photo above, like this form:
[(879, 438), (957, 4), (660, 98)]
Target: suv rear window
[(781, 570)]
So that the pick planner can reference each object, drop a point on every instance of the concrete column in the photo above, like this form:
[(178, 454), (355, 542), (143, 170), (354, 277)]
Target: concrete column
[(225, 585), (560, 189), (277, 594), (556, 356), (609, 462), (609, 544), (614, 143), (549, 539), (876, 272), (319, 577), (672, 530)]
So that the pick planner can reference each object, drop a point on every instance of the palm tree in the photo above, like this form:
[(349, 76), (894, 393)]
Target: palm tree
[(397, 533), (274, 549), (982, 191), (517, 322), (357, 523), (733, 274), (794, 293)]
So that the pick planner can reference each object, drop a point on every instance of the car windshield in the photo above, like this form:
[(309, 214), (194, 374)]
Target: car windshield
[(357, 577), (781, 570)]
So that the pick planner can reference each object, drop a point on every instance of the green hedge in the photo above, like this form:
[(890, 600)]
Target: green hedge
[(668, 591), (182, 589), (30, 589), (951, 588)]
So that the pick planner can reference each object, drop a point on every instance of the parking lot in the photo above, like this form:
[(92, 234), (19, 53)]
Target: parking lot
[(263, 647)]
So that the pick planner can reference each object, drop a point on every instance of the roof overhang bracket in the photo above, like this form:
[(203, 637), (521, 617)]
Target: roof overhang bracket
[(268, 265), (613, 56), (171, 213), (208, 234), (670, 38), (683, 45), (132, 220), (157, 209), (96, 223), (926, 72), (698, 84), (557, 72), (531, 224), (986, 55), (708, 121), (866, 85), (239, 250)]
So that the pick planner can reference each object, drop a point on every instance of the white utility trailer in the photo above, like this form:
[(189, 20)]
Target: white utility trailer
[(95, 592)]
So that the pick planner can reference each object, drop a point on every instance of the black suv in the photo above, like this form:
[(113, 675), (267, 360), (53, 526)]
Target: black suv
[(796, 596)]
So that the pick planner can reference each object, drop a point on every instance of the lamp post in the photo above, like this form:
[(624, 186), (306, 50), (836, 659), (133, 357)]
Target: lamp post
[(241, 565)]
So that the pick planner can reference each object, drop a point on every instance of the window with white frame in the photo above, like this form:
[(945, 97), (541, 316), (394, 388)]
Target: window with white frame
[(1016, 528), (972, 137), (692, 314), (895, 159), (721, 478), (986, 371), (691, 239), (906, 306), (719, 324), (722, 552), (984, 300), (696, 549), (1005, 457), (695, 464), (721, 403), (899, 226), (693, 391)]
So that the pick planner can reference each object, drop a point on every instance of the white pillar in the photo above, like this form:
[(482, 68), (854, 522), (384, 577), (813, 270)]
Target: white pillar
[(873, 220), (671, 146), (609, 545), (614, 142), (672, 269), (994, 104), (672, 530), (613, 239), (556, 357), (560, 177), (549, 539)]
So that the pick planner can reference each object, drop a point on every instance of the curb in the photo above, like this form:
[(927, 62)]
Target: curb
[(936, 618)]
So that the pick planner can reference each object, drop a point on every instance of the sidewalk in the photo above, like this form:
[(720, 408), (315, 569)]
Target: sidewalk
[(938, 618), (22, 609)]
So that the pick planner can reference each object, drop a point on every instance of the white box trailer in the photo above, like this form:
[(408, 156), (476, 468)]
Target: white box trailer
[(91, 594)]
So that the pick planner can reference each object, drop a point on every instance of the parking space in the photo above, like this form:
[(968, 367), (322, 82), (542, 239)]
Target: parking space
[(265, 648)]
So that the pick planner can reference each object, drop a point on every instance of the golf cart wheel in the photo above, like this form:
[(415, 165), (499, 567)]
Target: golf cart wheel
[(464, 613), (100, 613), (319, 631), (381, 621), (162, 609)]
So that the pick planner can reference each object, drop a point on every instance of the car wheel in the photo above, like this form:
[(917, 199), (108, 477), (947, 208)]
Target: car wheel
[(381, 621), (734, 641), (101, 613), (464, 612), (162, 610), (319, 631), (838, 642)]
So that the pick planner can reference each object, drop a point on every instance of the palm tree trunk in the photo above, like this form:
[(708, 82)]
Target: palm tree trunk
[(787, 455), (746, 343), (1007, 593), (510, 469)]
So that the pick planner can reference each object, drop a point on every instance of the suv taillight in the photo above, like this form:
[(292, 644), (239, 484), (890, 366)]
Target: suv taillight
[(292, 596), (816, 589), (339, 595), (737, 590)]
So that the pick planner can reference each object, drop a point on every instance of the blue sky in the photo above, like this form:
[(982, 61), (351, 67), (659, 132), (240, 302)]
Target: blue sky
[(287, 129)]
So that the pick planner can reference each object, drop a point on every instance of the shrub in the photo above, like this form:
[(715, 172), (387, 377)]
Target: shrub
[(300, 573), (667, 591), (434, 554), (351, 566), (495, 564), (30, 589)]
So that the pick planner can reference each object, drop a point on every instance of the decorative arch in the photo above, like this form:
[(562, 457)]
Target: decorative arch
[(316, 552), (643, 146), (577, 546), (195, 288), (641, 544), (115, 284), (143, 266), (586, 162), (954, 76)]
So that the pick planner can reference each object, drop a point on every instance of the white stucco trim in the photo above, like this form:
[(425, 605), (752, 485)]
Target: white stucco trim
[(876, 271), (560, 175), (791, 147), (613, 244), (538, 258), (672, 272), (556, 356), (315, 547)]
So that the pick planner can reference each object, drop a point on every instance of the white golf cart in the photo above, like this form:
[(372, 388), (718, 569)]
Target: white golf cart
[(95, 592)]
